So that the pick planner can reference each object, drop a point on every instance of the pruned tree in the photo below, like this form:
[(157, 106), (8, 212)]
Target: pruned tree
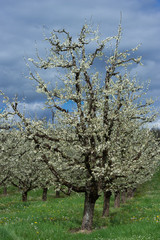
[(21, 164), (80, 141), (5, 171), (135, 158)]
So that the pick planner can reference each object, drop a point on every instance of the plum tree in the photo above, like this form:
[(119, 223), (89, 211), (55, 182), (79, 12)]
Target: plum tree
[(21, 165), (82, 148)]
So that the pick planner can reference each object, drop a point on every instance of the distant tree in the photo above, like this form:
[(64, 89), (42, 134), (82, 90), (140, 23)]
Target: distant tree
[(135, 157), (21, 165), (156, 132), (5, 170), (80, 142)]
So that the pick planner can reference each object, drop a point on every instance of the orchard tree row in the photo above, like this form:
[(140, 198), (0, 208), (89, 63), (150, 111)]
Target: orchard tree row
[(98, 141), (21, 166)]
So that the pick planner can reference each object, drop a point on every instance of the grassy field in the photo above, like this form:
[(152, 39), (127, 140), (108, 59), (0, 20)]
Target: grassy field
[(58, 218)]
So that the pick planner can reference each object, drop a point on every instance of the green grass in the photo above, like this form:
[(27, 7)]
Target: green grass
[(58, 218)]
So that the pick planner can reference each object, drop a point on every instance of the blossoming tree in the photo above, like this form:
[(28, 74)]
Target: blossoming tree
[(88, 106)]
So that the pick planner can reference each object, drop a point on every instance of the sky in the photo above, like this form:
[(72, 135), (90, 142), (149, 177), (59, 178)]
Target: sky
[(23, 23)]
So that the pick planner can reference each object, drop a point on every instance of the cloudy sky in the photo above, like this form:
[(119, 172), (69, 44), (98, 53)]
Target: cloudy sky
[(22, 24)]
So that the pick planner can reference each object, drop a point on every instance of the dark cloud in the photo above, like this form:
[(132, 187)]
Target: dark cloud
[(23, 22)]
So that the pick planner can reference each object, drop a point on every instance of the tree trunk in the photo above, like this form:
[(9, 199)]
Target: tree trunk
[(89, 204), (123, 197), (44, 194), (134, 190), (4, 190), (106, 204), (24, 196), (57, 194), (117, 200), (69, 191), (129, 193)]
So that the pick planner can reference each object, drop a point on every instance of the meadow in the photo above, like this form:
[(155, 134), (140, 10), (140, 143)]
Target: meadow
[(60, 218)]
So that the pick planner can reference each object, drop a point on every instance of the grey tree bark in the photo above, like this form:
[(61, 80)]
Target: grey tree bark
[(117, 199), (106, 203), (89, 204)]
